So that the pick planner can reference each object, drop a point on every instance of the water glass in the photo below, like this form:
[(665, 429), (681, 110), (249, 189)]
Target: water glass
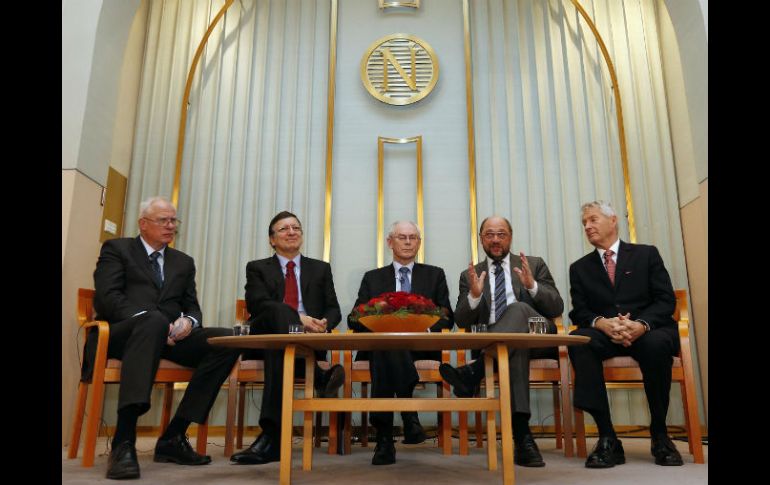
[(296, 328), (537, 325), (245, 329), (237, 328)]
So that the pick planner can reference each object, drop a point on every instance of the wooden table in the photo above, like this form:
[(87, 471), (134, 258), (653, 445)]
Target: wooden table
[(303, 346)]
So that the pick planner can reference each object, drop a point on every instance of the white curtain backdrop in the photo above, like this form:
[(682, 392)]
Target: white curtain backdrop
[(546, 137), (256, 132)]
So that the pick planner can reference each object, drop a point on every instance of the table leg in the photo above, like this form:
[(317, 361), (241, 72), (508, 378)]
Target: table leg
[(287, 413), (505, 413), (307, 432), (489, 384)]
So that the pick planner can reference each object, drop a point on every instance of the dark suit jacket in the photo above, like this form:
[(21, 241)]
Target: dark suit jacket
[(125, 284), (547, 302), (265, 288), (642, 288), (428, 281)]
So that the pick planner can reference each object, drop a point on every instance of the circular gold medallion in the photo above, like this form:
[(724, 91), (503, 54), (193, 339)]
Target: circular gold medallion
[(399, 69)]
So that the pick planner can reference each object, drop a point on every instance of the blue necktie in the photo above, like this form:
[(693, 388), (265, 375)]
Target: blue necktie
[(500, 301), (156, 268), (404, 279)]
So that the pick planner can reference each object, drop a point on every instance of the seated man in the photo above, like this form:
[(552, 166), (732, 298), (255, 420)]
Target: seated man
[(145, 290), (287, 288), (623, 299), (505, 303), (393, 371)]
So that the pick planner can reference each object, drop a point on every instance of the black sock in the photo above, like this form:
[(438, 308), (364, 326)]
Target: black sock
[(604, 423), (520, 422), (477, 366), (177, 426), (125, 430)]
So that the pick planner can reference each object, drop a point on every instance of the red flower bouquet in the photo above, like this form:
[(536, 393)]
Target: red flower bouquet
[(397, 311)]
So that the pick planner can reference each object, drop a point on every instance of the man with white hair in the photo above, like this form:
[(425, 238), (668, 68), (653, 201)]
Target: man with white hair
[(623, 299), (145, 290), (393, 371)]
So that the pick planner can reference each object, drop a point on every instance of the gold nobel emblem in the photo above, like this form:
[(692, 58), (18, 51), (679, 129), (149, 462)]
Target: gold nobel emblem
[(399, 69)]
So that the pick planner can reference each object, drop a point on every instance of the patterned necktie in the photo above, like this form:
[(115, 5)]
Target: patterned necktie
[(610, 264), (500, 301), (404, 279), (291, 294), (156, 268)]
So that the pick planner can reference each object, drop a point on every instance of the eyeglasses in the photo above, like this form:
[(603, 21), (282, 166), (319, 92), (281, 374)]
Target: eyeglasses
[(165, 221), (492, 235), (285, 229), (403, 238)]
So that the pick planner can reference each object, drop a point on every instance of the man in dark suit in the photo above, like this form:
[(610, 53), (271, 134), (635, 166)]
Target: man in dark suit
[(285, 289), (393, 371), (505, 303), (623, 299), (145, 290)]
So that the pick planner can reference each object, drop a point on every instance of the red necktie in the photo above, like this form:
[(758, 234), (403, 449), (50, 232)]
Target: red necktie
[(291, 295), (610, 264)]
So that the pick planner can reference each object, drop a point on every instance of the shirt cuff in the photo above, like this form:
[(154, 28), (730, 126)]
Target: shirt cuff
[(646, 325), (593, 323), (193, 320), (473, 302), (533, 291)]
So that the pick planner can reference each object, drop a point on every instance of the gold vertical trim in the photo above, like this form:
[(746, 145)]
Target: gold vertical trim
[(381, 141), (471, 131), (619, 116), (330, 131), (186, 101)]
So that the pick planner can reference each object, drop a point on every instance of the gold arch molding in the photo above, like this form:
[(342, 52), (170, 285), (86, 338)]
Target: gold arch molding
[(471, 137)]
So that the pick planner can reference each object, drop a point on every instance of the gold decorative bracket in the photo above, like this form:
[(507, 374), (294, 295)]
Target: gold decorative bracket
[(383, 4), (381, 141)]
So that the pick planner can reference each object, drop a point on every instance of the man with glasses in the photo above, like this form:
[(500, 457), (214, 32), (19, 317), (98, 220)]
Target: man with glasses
[(503, 291), (145, 290), (393, 371), (286, 289)]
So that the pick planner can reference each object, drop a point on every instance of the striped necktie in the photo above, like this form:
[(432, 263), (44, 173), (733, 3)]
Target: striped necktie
[(500, 301)]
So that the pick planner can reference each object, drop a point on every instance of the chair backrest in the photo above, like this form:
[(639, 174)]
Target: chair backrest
[(85, 305), (681, 314), (241, 313)]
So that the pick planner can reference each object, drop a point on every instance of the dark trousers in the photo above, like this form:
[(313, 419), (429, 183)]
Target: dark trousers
[(140, 343), (275, 320), (514, 320), (394, 374), (653, 351)]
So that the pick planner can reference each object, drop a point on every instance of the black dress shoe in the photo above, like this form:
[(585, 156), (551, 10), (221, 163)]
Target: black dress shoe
[(607, 453), (327, 383), (178, 450), (122, 463), (464, 381), (265, 449), (526, 453), (413, 432), (665, 452), (384, 452)]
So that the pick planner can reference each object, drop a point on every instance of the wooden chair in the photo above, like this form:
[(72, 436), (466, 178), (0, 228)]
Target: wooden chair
[(427, 371), (626, 370), (252, 371), (107, 371), (544, 370)]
